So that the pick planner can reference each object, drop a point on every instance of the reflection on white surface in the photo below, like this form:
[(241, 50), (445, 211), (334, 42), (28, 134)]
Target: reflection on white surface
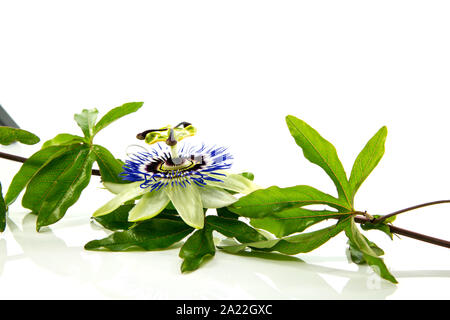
[(42, 265)]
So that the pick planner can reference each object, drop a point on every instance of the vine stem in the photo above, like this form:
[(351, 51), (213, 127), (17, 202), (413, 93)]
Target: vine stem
[(358, 219), (410, 234), (423, 205), (13, 157)]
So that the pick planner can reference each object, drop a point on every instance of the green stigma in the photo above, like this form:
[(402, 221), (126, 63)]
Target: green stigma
[(168, 134)]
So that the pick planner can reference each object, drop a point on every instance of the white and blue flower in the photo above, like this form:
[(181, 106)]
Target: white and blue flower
[(191, 178)]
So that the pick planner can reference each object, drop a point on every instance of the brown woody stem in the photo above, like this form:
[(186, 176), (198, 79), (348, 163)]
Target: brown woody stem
[(410, 234), (382, 218), (13, 157)]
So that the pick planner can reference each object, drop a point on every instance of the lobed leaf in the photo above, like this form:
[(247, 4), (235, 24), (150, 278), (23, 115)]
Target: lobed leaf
[(322, 153), (152, 234), (368, 253), (63, 139), (301, 243), (197, 249), (9, 135), (293, 220), (118, 219), (58, 185), (356, 256), (381, 226), (224, 212), (234, 228), (115, 114), (367, 160), (266, 202), (86, 121)]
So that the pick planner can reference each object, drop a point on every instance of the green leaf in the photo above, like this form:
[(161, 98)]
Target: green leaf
[(233, 228), (356, 256), (367, 160), (58, 185), (117, 113), (118, 219), (29, 169), (152, 234), (197, 249), (381, 226), (2, 211), (9, 135), (110, 167), (86, 121), (266, 202), (293, 220), (368, 254), (301, 243), (322, 153), (63, 139), (169, 214), (224, 212)]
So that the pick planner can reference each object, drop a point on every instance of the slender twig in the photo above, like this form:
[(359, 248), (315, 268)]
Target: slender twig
[(13, 157), (358, 219), (381, 219), (410, 234)]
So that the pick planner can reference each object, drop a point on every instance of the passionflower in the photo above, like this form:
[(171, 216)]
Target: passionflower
[(189, 177)]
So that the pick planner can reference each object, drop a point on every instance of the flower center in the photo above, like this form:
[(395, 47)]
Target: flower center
[(175, 164)]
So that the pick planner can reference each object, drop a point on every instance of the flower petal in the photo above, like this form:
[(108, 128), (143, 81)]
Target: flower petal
[(116, 188), (151, 204), (215, 197), (188, 203), (234, 182), (132, 191)]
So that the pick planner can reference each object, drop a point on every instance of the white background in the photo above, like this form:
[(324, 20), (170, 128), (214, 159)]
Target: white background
[(235, 69)]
